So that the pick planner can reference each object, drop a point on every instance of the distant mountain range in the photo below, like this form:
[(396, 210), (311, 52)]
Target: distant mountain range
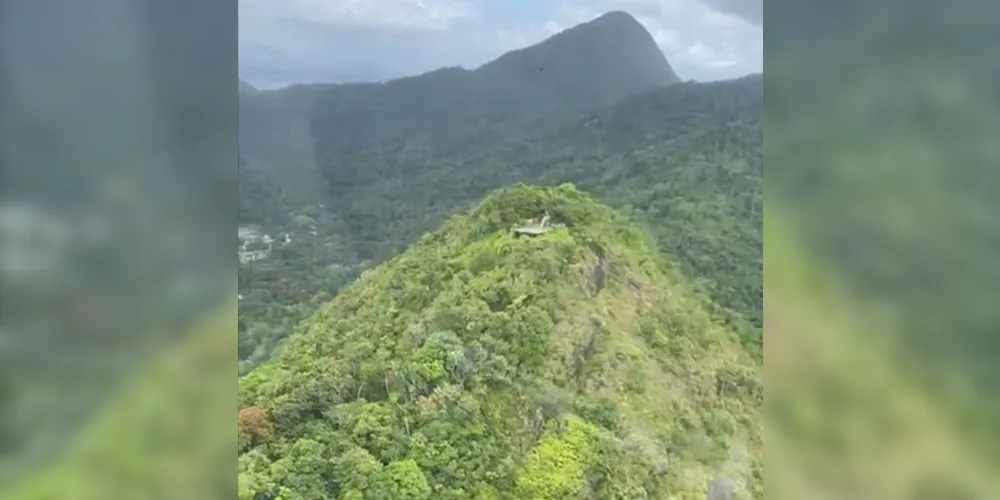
[(597, 105), (580, 69), (269, 67), (309, 55)]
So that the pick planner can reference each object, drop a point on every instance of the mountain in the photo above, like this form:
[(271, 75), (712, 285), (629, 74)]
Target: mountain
[(263, 201), (684, 161), (269, 67), (570, 73), (613, 52), (355, 174), (324, 128), (673, 155), (277, 142), (480, 364)]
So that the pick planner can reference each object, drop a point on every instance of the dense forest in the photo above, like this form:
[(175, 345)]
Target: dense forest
[(684, 161), (480, 364), (375, 238)]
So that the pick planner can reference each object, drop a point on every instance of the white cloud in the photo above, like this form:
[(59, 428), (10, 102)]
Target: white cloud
[(699, 40), (697, 37), (406, 14), (553, 27), (511, 39), (712, 57)]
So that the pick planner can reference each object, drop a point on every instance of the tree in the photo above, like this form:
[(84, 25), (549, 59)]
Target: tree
[(254, 426), (401, 480)]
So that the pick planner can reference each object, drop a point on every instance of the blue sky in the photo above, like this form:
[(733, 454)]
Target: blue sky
[(341, 40)]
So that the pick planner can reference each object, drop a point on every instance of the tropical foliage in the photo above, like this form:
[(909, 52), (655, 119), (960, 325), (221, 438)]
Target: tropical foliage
[(479, 364)]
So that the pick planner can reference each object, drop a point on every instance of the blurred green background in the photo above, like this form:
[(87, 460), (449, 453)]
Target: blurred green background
[(117, 280), (881, 240)]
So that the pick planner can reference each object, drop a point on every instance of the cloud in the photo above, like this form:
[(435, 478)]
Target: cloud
[(394, 14), (703, 39), (512, 39), (712, 57), (750, 10)]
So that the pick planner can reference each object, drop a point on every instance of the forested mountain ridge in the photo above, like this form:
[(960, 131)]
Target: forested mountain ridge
[(571, 73), (276, 142), (303, 129), (685, 161), (682, 142), (479, 364), (614, 48)]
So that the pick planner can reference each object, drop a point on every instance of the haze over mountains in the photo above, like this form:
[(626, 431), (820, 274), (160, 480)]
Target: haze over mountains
[(582, 68)]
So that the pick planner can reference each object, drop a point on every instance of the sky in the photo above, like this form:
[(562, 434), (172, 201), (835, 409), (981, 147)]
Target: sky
[(291, 41)]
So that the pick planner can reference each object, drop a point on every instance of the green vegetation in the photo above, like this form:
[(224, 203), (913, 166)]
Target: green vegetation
[(482, 365), (398, 159), (358, 130), (437, 351), (684, 162)]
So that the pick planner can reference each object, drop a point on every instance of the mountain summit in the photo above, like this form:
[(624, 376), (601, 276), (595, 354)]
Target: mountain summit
[(569, 74), (613, 51), (488, 363), (331, 127)]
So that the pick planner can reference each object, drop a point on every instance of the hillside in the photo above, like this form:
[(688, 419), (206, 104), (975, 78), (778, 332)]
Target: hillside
[(478, 364), (685, 161), (613, 52), (298, 131), (276, 141), (569, 74)]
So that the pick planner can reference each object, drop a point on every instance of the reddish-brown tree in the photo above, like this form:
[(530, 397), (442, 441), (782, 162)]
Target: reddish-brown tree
[(254, 426)]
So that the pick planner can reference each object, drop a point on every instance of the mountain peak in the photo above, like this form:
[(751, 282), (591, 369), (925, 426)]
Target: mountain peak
[(613, 23), (465, 363), (608, 52), (615, 18)]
